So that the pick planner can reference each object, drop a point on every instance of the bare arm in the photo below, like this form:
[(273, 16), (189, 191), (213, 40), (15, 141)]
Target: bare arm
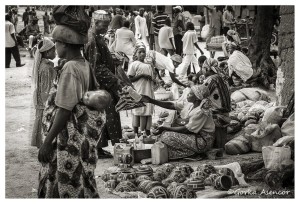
[(180, 129), (60, 120), (174, 79), (135, 78), (196, 45), (163, 104), (171, 41)]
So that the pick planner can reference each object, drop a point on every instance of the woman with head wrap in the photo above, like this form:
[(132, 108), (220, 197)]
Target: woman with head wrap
[(142, 75), (102, 64), (161, 62), (193, 132), (219, 92), (43, 75), (219, 95), (68, 154), (232, 37), (239, 65)]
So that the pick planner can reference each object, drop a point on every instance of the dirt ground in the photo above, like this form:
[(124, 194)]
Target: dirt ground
[(22, 167)]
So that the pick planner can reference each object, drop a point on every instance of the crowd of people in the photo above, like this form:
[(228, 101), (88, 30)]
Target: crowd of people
[(75, 134)]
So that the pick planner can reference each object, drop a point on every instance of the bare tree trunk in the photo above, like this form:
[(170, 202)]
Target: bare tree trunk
[(259, 46)]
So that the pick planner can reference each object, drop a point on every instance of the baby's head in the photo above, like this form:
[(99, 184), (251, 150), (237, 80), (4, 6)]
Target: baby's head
[(98, 100)]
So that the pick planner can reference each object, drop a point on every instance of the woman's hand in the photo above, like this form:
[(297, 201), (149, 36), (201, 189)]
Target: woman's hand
[(159, 130), (145, 76), (45, 153), (145, 99)]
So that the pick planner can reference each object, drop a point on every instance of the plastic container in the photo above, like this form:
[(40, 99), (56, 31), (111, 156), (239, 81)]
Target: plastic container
[(159, 153), (121, 148)]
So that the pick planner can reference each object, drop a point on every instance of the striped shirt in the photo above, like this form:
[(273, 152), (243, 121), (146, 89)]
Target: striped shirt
[(158, 21)]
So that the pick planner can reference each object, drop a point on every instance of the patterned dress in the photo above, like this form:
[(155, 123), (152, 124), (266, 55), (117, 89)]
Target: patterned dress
[(100, 59), (200, 123), (70, 173)]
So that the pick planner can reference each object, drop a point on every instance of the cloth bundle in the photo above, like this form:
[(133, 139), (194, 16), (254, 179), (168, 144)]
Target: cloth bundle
[(73, 17), (129, 99)]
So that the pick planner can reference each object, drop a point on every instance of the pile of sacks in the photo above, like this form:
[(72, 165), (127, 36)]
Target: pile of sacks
[(259, 119)]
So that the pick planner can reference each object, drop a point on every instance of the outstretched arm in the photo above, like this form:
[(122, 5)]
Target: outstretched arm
[(174, 79), (163, 104)]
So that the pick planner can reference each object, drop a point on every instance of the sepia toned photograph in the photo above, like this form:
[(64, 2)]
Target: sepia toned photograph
[(149, 101)]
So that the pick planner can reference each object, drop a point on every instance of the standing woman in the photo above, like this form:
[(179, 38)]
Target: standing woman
[(68, 154), (141, 75), (228, 21), (43, 75)]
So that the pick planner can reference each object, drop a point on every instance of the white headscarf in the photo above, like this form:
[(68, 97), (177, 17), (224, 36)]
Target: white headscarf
[(47, 45)]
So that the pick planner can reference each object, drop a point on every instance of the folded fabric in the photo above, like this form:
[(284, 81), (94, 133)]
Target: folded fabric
[(129, 100)]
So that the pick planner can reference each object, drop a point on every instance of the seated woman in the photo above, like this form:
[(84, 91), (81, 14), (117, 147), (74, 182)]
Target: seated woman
[(239, 65), (196, 131), (231, 37)]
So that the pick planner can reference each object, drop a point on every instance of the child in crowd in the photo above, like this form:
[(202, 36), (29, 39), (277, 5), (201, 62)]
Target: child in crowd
[(189, 43), (43, 75), (142, 76)]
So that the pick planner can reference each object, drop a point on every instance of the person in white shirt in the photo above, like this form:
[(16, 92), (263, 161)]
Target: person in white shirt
[(141, 30), (166, 38), (11, 45), (189, 43), (125, 41)]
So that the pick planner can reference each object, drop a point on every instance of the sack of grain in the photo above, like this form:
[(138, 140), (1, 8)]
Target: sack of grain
[(252, 94), (265, 135), (238, 145), (273, 115), (288, 127)]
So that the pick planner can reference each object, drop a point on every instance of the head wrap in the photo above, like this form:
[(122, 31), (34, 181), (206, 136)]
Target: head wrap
[(176, 58), (118, 11), (47, 45), (138, 45), (200, 91), (212, 64), (234, 35), (67, 35)]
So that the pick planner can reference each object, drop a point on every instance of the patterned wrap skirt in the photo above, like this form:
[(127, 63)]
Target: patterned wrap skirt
[(70, 173), (182, 145)]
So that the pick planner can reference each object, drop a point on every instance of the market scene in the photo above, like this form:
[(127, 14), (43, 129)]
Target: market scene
[(149, 101)]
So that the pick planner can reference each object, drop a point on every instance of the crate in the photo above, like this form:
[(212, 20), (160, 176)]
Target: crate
[(140, 154)]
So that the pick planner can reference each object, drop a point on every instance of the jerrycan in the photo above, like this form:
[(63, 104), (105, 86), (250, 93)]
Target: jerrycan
[(159, 153)]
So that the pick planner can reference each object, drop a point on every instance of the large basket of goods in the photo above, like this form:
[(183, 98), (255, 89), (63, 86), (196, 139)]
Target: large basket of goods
[(216, 43)]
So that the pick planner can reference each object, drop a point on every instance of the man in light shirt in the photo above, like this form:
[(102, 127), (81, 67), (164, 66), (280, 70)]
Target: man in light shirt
[(166, 39), (11, 45), (189, 43)]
